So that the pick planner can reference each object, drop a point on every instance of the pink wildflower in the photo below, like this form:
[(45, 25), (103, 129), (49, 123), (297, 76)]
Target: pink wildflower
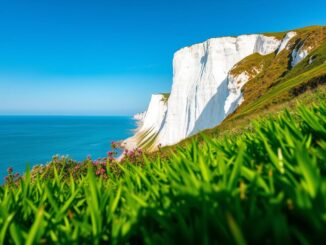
[(9, 170)]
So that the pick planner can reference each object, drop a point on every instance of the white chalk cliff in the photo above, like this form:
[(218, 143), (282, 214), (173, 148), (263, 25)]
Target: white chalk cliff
[(149, 123), (203, 91), (299, 54), (139, 116), (286, 40)]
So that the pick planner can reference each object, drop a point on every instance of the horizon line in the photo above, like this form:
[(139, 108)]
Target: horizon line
[(60, 115)]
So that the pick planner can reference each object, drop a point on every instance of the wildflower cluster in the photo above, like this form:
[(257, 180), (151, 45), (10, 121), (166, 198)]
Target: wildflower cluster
[(12, 177), (133, 156), (102, 167), (66, 167)]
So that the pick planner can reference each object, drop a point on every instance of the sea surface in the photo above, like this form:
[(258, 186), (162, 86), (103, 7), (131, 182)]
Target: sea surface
[(35, 139)]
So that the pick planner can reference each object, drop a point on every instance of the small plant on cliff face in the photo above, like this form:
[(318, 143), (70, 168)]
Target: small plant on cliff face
[(165, 97), (263, 186)]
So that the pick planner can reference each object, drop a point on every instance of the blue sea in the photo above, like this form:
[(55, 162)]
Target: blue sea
[(35, 139)]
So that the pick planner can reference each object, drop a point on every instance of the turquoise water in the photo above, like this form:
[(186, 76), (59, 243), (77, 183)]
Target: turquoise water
[(35, 139)]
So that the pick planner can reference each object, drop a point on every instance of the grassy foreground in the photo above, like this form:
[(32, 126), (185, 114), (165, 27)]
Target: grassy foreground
[(264, 186)]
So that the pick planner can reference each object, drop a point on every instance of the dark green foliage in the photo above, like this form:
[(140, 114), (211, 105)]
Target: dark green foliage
[(265, 186)]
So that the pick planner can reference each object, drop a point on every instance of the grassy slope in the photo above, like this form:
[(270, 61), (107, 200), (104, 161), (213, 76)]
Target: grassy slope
[(251, 63), (266, 186), (281, 88), (277, 67)]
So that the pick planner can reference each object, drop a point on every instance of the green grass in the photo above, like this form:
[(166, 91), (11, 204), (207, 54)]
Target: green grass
[(252, 64), (284, 87), (277, 68), (304, 30), (277, 35), (267, 185)]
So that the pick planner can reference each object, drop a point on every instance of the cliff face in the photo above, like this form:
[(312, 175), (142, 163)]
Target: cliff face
[(200, 83), (206, 87), (139, 116), (149, 124)]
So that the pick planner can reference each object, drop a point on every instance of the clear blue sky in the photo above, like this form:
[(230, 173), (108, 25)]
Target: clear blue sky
[(101, 57)]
